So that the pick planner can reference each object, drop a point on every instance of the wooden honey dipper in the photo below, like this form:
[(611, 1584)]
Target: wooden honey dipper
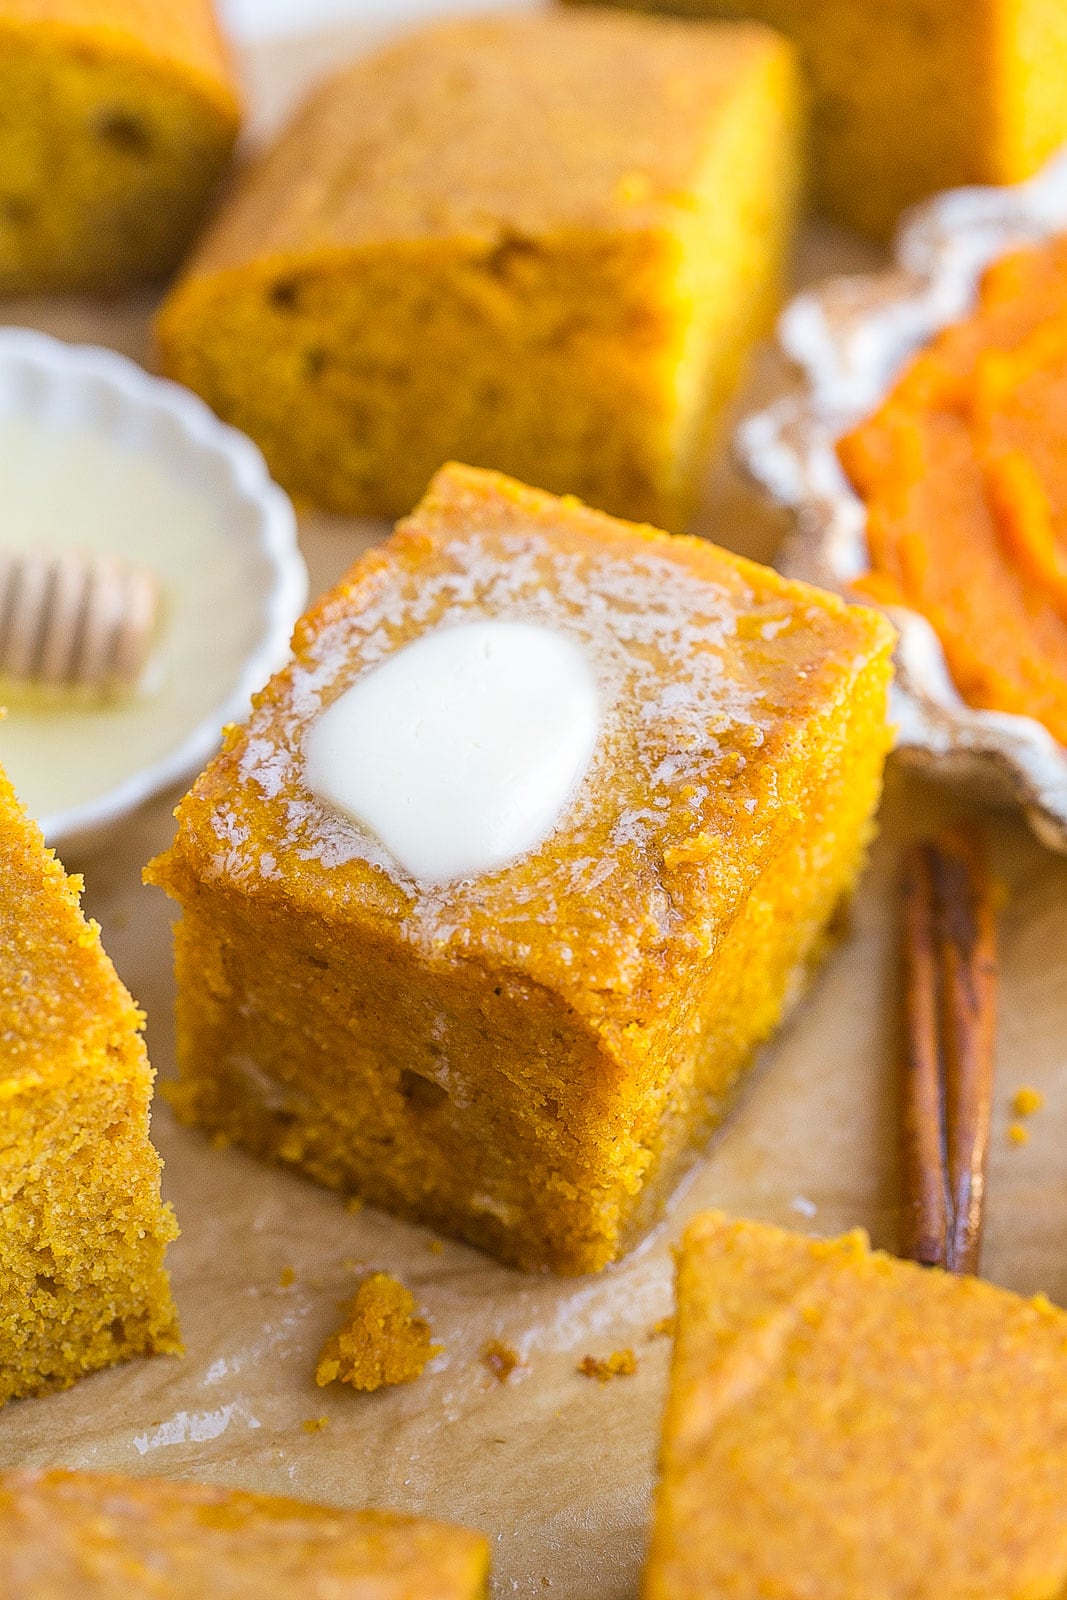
[(75, 621)]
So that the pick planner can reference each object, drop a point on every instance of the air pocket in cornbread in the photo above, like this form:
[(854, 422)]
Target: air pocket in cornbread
[(525, 1056), (539, 243), (116, 117), (99, 1536), (912, 96), (847, 1426), (82, 1227)]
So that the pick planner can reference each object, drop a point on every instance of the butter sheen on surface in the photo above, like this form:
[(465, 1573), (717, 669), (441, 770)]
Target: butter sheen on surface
[(462, 750)]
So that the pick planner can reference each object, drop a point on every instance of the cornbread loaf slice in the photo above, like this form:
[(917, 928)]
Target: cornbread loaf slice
[(82, 1227), (527, 1057), (848, 1426), (541, 243), (912, 96), (117, 117), (103, 1537)]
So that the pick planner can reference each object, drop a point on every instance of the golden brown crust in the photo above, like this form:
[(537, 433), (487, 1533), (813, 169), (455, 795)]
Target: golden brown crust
[(104, 1537), (851, 1426)]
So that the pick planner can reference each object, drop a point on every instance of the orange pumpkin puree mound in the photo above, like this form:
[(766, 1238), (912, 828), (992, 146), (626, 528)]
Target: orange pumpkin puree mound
[(964, 474)]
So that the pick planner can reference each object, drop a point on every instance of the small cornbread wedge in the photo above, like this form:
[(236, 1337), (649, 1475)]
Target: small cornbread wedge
[(541, 243), (912, 96), (117, 118), (527, 1056), (104, 1537), (845, 1426), (82, 1226)]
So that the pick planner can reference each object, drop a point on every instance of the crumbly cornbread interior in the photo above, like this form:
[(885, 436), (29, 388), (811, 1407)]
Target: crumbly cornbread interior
[(526, 1060), (914, 96), (104, 1537), (82, 1227), (471, 246), (115, 120), (887, 1431)]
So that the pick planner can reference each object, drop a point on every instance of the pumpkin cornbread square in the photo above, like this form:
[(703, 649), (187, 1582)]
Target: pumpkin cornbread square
[(848, 1426), (912, 96), (104, 1537), (526, 1058), (540, 243), (82, 1226), (117, 117)]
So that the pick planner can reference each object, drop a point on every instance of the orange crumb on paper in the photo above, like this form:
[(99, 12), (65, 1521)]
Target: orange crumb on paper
[(501, 1359), (314, 1424), (219, 1140), (435, 1247), (664, 1328), (382, 1341), (1017, 1134), (1027, 1101), (287, 1277), (353, 1205), (620, 1364)]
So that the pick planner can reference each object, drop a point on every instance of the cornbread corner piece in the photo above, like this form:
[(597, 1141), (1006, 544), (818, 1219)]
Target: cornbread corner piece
[(845, 1425), (913, 96), (527, 1059), (118, 118), (105, 1537), (82, 1226), (541, 243), (382, 1341)]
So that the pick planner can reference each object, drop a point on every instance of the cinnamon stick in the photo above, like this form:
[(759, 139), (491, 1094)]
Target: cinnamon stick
[(950, 981)]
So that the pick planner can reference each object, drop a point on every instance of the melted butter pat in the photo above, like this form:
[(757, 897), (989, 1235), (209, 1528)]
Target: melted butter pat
[(77, 489), (462, 751)]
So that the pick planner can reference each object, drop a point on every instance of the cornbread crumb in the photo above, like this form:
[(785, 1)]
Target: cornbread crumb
[(286, 1277), (220, 1140), (620, 1364), (1027, 1101), (353, 1205), (314, 1424), (501, 1359), (664, 1328), (1018, 1134), (435, 1247), (383, 1341)]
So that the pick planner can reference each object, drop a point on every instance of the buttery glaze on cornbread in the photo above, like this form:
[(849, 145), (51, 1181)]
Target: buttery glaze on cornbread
[(526, 1058), (99, 1536), (541, 243), (912, 96), (82, 1227), (848, 1426), (962, 473), (117, 117)]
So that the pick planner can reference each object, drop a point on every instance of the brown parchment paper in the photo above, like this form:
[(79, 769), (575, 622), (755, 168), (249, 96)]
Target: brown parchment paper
[(556, 1468)]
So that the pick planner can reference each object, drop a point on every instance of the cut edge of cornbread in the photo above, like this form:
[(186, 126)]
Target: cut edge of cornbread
[(109, 151), (83, 1230)]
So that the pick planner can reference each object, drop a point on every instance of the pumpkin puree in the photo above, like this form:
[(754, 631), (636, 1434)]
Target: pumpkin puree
[(964, 474)]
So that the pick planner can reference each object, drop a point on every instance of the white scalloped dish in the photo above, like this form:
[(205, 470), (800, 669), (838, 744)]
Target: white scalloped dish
[(97, 454), (849, 340)]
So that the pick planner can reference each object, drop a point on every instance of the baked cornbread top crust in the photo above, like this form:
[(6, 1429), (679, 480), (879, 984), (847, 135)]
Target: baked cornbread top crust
[(181, 35), (852, 1427), (504, 128), (58, 989), (104, 1537), (722, 685)]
